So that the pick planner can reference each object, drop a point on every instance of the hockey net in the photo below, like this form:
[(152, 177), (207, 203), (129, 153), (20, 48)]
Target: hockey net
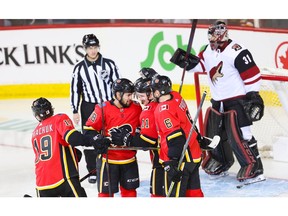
[(274, 91)]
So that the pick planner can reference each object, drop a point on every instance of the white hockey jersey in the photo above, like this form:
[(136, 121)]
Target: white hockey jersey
[(239, 73)]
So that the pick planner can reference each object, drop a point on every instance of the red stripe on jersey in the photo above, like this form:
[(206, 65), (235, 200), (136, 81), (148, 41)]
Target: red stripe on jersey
[(254, 81), (251, 72)]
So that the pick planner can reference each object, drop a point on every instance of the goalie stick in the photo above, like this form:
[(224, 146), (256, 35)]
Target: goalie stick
[(192, 33), (187, 141)]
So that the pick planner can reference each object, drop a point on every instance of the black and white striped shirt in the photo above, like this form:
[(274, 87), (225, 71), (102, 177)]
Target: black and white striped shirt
[(90, 77)]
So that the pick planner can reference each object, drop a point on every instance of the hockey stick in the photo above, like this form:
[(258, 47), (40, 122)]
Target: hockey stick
[(89, 174), (134, 148), (192, 33), (187, 141), (103, 133)]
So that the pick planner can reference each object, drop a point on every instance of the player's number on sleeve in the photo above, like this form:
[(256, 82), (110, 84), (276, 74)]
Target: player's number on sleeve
[(247, 59), (45, 151)]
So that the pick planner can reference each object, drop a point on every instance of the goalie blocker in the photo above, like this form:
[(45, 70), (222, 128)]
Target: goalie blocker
[(221, 158)]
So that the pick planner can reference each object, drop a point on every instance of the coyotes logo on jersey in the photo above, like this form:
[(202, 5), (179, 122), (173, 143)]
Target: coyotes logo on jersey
[(215, 73)]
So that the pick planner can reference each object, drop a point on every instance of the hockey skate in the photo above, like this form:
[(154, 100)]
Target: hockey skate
[(254, 169), (250, 181), (250, 171), (220, 175)]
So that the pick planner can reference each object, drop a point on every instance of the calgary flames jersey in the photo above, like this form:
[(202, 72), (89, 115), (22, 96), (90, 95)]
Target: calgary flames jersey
[(55, 159), (116, 118), (173, 115)]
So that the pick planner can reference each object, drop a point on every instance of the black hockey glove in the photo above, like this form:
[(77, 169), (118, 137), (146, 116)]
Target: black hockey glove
[(121, 137), (179, 59), (254, 106), (100, 143), (171, 167)]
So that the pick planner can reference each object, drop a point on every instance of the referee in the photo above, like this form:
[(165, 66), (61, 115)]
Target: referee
[(91, 82)]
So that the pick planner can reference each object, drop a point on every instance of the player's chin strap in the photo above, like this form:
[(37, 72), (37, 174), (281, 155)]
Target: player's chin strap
[(187, 141)]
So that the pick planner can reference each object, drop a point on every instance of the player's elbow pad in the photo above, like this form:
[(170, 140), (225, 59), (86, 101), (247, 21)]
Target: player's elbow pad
[(140, 140), (176, 141), (75, 138)]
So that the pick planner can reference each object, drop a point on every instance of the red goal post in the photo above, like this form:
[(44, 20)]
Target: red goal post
[(274, 91)]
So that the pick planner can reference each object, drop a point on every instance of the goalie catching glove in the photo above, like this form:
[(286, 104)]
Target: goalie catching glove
[(121, 136), (254, 106), (100, 143), (179, 58)]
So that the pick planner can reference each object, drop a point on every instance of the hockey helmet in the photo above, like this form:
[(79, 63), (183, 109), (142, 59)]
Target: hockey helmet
[(42, 109), (149, 73), (143, 86), (163, 84), (217, 32), (123, 86), (90, 40)]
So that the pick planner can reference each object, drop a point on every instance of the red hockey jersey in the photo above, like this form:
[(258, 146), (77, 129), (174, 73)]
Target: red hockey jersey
[(171, 116), (55, 159), (116, 118)]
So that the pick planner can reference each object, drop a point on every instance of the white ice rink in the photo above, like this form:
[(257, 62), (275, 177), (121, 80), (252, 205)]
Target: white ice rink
[(17, 177)]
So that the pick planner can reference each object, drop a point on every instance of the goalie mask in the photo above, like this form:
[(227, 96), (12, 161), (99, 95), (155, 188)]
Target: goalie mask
[(42, 109), (217, 34)]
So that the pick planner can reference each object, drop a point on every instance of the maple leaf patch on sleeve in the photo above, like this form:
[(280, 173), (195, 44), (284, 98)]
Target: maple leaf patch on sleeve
[(164, 107)]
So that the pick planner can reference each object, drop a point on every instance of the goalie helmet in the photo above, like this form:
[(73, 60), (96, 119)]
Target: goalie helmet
[(123, 86), (217, 34), (149, 73), (163, 84), (42, 109), (90, 40)]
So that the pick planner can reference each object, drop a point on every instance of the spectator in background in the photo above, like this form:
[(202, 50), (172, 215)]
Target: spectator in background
[(91, 84)]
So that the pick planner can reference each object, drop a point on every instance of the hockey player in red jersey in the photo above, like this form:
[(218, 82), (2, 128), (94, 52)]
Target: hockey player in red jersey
[(121, 112), (205, 142), (56, 158), (234, 81), (173, 122), (147, 137)]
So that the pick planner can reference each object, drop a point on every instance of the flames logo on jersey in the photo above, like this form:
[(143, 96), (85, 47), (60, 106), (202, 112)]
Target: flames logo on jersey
[(215, 73)]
